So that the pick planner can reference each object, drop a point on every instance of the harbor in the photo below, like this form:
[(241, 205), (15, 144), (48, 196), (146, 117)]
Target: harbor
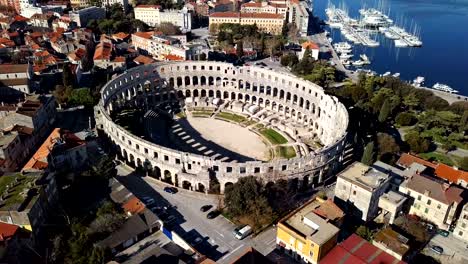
[(440, 59)]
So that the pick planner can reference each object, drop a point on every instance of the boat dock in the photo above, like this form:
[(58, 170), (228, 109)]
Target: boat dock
[(449, 97)]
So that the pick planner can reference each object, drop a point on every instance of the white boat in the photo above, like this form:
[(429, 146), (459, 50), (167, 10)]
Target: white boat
[(396, 75), (364, 57), (359, 63), (346, 62), (346, 56), (386, 74), (444, 88), (413, 41), (419, 81), (400, 43), (391, 35)]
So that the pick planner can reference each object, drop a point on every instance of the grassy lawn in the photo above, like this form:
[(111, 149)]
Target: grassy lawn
[(181, 115), (437, 156), (13, 196), (232, 117), (274, 137), (202, 113), (249, 123), (286, 152)]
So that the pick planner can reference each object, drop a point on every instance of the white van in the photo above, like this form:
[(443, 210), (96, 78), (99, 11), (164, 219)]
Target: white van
[(244, 232)]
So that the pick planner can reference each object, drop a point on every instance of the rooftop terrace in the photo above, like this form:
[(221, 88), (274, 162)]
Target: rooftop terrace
[(364, 176)]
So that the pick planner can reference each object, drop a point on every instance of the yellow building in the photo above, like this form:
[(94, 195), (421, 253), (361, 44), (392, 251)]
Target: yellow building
[(266, 22), (307, 234), (79, 3)]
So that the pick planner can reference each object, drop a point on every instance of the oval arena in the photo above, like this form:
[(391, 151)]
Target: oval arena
[(259, 99)]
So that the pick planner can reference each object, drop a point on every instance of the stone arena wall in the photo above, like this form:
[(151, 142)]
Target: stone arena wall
[(296, 99)]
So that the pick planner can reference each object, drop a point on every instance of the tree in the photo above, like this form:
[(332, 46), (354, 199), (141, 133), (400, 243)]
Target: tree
[(289, 59), (411, 101), (82, 96), (464, 164), (417, 143), (368, 155), (405, 119), (239, 49), (386, 147), (62, 93), (364, 232), (384, 111), (97, 3), (168, 29)]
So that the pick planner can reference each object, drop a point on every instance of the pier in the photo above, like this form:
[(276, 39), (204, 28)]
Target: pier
[(449, 97)]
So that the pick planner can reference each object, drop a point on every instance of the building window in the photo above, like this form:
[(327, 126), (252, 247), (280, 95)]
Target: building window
[(354, 192), (460, 233), (463, 225), (439, 206), (426, 210), (429, 202), (166, 158), (419, 197)]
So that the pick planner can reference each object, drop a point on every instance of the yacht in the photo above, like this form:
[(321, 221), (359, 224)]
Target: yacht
[(419, 81), (396, 75), (346, 56), (413, 41), (400, 43), (391, 35), (444, 88), (386, 74)]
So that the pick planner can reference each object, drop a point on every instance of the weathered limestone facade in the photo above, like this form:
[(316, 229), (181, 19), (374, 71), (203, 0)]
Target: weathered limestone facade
[(195, 82)]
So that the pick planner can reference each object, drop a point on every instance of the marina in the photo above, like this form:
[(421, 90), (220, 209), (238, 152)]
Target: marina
[(441, 59)]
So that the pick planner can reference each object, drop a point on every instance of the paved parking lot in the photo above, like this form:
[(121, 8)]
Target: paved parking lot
[(218, 241), (455, 250)]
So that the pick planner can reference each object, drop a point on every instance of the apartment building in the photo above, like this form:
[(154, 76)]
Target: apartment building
[(299, 15), (309, 233), (160, 47), (359, 187), (79, 3), (266, 22), (83, 16), (28, 200), (153, 15), (264, 7), (16, 76), (433, 200), (461, 229)]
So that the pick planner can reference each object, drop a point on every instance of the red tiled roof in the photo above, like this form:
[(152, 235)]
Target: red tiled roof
[(7, 231), (356, 250), (120, 35), (451, 174), (146, 35), (441, 170), (103, 51), (13, 68), (21, 18), (407, 159), (149, 6), (172, 57), (133, 206), (119, 59), (310, 45), (253, 4), (37, 160), (141, 59)]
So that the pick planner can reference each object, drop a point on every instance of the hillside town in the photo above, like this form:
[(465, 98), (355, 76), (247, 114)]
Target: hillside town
[(158, 131)]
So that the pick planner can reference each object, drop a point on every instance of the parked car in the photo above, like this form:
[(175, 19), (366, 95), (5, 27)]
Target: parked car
[(244, 232), (197, 241), (206, 208), (213, 214), (171, 190), (237, 229), (443, 233), (148, 200), (170, 220), (437, 249)]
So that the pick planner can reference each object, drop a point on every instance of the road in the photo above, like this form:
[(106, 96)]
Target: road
[(455, 250), (218, 241)]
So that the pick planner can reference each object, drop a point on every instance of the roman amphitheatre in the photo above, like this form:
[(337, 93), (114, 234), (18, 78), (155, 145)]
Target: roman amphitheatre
[(193, 124)]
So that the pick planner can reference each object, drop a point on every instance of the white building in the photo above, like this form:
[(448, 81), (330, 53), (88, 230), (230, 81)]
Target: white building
[(123, 3), (30, 10), (461, 229), (433, 200), (299, 15), (154, 16), (313, 47), (83, 16), (264, 7), (361, 186), (16, 76), (160, 47)]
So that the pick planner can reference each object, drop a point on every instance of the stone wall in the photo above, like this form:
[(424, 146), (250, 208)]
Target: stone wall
[(298, 100)]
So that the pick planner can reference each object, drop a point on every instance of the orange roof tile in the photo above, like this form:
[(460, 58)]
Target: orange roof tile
[(172, 57), (120, 35), (451, 174), (146, 35), (133, 206), (407, 159), (119, 59), (141, 59), (310, 45), (43, 151)]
